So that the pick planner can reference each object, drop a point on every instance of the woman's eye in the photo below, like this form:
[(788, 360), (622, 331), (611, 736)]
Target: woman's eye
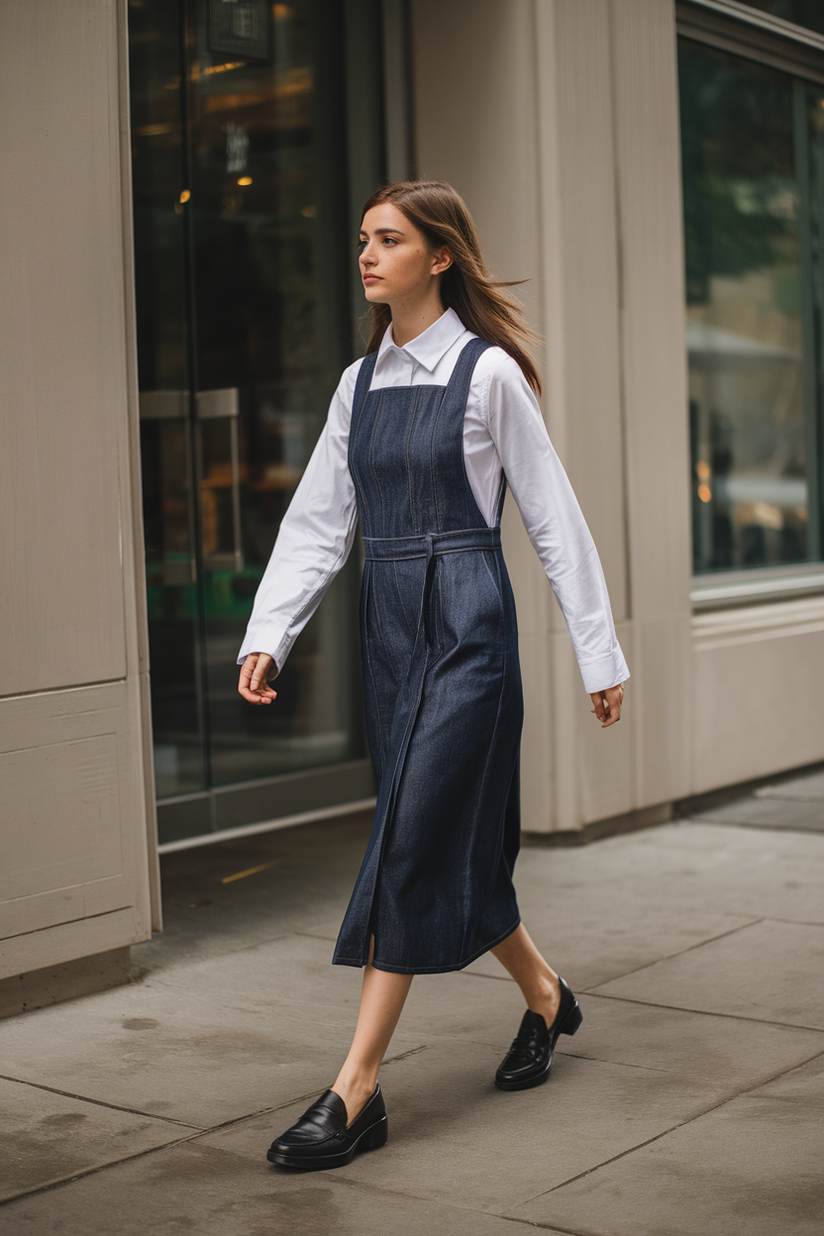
[(361, 246), (388, 240)]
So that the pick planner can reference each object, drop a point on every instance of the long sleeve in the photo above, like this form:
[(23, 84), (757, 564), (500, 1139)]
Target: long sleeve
[(314, 541), (555, 524)]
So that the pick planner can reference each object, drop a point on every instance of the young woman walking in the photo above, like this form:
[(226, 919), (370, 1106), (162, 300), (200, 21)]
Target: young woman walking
[(422, 437)]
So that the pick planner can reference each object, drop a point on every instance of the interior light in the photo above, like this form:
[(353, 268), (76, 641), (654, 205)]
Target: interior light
[(211, 69), (245, 180), (702, 470), (185, 195), (704, 493)]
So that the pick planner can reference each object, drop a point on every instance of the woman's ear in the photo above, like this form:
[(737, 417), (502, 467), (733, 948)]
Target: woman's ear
[(441, 261)]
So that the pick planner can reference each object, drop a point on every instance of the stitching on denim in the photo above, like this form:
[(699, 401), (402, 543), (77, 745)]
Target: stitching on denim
[(413, 419), (399, 591), (486, 773), (370, 455), (372, 682)]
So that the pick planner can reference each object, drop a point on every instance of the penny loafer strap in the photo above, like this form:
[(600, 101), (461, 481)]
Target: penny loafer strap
[(326, 1117)]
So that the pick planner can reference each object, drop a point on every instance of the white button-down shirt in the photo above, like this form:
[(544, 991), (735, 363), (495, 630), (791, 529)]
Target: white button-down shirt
[(504, 435)]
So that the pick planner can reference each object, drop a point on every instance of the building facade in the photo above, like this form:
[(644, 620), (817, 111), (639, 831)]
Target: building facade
[(181, 296)]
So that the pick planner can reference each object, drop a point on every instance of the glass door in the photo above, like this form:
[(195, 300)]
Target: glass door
[(243, 239)]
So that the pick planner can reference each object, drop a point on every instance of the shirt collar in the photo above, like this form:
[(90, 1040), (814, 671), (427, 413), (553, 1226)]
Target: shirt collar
[(431, 345)]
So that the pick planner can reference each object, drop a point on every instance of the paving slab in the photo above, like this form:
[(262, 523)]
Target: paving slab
[(602, 910), (797, 815), (763, 972), (453, 1136), (591, 939), (46, 1137), (728, 1054), (205, 917), (294, 975), (201, 1189), (668, 886), (202, 1053), (803, 1085), (809, 788), (693, 1003), (697, 870), (753, 1167), (692, 833)]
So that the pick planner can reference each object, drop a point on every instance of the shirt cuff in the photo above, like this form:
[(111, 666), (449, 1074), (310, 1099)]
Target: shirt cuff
[(604, 673), (256, 643)]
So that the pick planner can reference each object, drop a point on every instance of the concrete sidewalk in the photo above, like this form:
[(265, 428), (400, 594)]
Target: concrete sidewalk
[(691, 1100)]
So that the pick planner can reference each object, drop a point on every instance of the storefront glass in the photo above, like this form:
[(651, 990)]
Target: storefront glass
[(243, 244), (753, 153)]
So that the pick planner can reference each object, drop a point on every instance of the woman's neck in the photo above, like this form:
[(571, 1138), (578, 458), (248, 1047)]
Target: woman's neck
[(409, 321)]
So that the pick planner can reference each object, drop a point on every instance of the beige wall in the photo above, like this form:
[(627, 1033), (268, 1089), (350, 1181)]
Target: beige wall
[(73, 781), (558, 121)]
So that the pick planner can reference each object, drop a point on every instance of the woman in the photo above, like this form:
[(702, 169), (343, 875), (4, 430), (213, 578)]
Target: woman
[(422, 437)]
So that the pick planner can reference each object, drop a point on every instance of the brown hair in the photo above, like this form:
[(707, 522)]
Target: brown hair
[(440, 212)]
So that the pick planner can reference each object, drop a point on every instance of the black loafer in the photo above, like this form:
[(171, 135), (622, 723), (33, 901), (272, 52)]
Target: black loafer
[(530, 1056), (321, 1139)]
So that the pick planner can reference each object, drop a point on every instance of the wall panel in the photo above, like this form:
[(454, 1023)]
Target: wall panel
[(75, 871)]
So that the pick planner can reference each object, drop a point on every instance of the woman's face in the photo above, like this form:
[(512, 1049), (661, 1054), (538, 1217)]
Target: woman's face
[(397, 264)]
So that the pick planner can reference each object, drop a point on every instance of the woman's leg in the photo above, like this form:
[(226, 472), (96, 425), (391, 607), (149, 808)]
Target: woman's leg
[(535, 977), (382, 999)]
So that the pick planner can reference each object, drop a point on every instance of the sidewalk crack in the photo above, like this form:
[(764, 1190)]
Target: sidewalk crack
[(117, 1107), (591, 991), (681, 1008), (745, 1090)]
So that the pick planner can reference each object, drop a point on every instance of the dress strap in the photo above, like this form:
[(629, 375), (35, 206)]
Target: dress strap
[(363, 383), (457, 388)]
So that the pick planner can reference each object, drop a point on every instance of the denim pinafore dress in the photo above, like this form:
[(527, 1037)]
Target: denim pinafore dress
[(442, 688)]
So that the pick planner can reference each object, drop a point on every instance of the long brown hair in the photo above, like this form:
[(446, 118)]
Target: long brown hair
[(439, 211)]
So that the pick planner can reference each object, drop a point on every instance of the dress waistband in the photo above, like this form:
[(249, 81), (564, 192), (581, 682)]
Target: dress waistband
[(395, 549)]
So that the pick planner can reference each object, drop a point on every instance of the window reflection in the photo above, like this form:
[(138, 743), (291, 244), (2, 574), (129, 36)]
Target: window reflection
[(751, 363), (243, 253)]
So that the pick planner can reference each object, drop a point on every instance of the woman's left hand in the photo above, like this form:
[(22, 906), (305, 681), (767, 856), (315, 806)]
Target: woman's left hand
[(608, 705)]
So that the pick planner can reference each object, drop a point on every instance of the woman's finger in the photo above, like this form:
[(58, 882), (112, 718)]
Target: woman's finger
[(608, 705), (613, 699), (252, 683), (597, 698), (260, 673)]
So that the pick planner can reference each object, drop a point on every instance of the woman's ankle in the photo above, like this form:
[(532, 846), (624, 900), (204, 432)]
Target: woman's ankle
[(355, 1089), (545, 998)]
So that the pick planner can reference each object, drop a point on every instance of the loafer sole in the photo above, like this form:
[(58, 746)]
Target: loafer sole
[(370, 1139), (525, 1083)]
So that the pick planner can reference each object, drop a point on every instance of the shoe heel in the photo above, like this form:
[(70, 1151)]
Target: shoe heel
[(573, 1020), (375, 1137)]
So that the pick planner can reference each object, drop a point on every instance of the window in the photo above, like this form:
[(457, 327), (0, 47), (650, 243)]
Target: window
[(753, 178)]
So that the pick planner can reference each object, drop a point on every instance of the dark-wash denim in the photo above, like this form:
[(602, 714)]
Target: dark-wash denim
[(442, 688)]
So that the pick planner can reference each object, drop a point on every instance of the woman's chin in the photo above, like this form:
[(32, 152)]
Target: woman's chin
[(376, 295)]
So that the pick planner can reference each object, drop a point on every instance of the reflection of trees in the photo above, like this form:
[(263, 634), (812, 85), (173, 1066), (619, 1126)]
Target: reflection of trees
[(737, 143)]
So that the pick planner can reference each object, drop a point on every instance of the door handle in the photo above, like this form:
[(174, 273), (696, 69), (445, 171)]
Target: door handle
[(170, 410), (211, 406)]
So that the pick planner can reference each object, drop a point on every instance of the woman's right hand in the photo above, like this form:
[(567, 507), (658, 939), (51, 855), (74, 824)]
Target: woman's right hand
[(254, 672)]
